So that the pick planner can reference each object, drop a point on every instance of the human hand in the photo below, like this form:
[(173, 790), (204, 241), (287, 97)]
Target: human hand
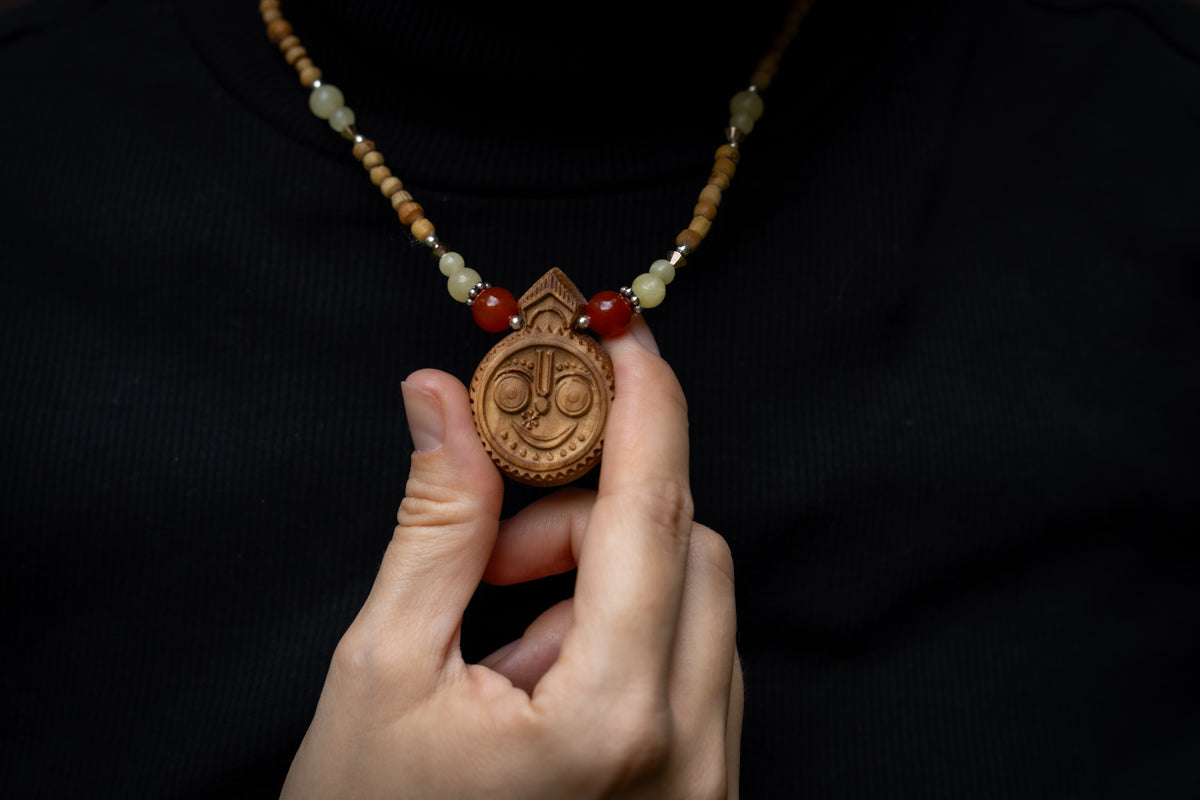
[(632, 688)]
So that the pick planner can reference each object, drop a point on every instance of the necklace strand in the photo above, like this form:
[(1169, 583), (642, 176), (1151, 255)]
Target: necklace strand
[(495, 309)]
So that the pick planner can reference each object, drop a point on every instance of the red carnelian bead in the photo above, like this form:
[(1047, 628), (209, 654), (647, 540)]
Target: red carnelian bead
[(493, 308), (608, 313)]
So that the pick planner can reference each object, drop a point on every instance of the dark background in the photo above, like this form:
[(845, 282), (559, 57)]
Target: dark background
[(940, 351)]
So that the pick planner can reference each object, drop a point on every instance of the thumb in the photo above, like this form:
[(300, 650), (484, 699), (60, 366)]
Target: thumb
[(447, 520)]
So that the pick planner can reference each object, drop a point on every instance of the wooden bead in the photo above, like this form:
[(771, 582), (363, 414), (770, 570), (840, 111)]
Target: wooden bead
[(271, 14), (288, 42), (294, 54), (725, 167), (379, 173), (700, 225), (302, 63), (705, 209), (688, 238), (799, 11), (728, 151), (720, 180), (264, 5), (309, 76), (400, 198), (711, 194), (410, 212), (362, 148), (422, 229), (766, 70), (278, 29), (764, 73), (372, 159), (390, 185)]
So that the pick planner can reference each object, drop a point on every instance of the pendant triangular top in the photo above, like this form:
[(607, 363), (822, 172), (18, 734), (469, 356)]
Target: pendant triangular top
[(551, 303)]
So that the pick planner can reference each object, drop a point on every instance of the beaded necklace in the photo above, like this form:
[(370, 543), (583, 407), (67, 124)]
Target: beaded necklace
[(540, 397)]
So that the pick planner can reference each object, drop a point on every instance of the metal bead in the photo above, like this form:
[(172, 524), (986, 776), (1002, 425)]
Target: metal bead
[(475, 290), (683, 250), (440, 248), (316, 84), (516, 322), (580, 319), (734, 135), (634, 303), (677, 258)]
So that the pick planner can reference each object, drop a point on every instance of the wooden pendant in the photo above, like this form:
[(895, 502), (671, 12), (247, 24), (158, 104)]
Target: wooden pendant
[(540, 398)]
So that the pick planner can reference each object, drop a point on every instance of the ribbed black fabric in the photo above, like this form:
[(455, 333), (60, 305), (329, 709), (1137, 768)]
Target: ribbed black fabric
[(940, 351)]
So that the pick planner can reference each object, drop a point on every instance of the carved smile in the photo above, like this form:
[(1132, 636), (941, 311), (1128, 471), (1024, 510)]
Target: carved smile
[(544, 442)]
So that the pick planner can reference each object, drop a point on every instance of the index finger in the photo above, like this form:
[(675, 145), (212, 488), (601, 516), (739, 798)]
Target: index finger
[(634, 552)]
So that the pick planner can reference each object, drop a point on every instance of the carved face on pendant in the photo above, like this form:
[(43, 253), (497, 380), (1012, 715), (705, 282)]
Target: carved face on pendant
[(540, 397)]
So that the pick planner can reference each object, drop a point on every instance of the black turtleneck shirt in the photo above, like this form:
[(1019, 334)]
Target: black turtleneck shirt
[(940, 351)]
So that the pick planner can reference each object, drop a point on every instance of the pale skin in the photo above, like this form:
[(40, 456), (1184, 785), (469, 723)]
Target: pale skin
[(630, 689)]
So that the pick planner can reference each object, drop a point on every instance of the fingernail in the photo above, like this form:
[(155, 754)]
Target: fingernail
[(641, 332), (425, 423)]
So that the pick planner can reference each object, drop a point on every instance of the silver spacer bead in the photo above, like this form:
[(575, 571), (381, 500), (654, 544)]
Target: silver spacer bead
[(475, 290), (634, 303), (683, 250), (583, 322), (677, 258), (733, 135), (516, 322), (316, 84), (432, 241)]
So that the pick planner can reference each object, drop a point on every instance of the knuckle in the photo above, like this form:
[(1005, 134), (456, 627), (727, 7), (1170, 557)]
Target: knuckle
[(634, 743), (428, 503), (441, 490), (710, 782), (355, 657), (366, 655), (666, 503), (366, 674), (708, 549)]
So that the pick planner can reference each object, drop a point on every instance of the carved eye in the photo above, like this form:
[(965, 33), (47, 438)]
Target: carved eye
[(573, 396), (511, 393)]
